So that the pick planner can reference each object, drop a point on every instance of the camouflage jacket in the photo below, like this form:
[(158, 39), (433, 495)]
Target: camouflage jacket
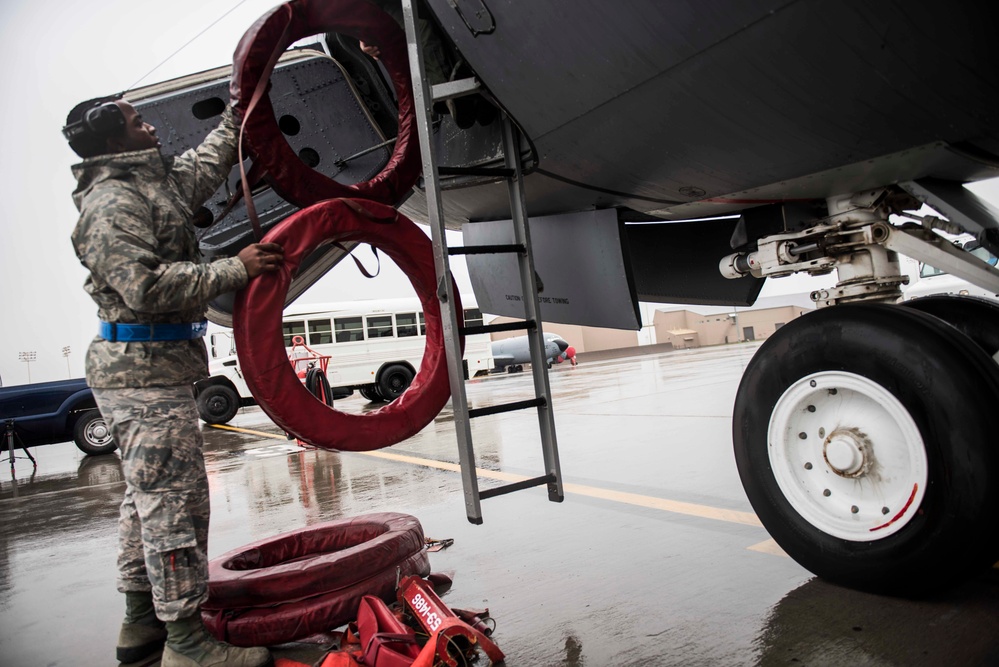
[(136, 238)]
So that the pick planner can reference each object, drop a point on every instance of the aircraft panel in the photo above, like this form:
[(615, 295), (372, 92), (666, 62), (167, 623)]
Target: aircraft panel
[(668, 103)]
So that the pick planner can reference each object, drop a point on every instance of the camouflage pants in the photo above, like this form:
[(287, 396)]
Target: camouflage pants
[(163, 524)]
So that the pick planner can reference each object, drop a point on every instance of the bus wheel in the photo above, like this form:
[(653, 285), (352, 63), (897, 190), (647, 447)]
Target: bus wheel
[(217, 404), (393, 381), (371, 393)]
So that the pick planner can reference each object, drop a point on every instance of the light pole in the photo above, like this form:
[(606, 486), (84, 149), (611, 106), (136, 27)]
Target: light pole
[(27, 357), (65, 353)]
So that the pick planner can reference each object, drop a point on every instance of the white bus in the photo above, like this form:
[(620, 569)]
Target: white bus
[(375, 347)]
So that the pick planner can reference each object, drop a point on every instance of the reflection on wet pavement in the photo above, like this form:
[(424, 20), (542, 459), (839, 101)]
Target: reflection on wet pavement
[(649, 561)]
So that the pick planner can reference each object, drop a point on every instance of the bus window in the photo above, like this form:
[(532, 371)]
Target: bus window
[(379, 326), (320, 332), (473, 317), (348, 329), (405, 325), (423, 325), (292, 329)]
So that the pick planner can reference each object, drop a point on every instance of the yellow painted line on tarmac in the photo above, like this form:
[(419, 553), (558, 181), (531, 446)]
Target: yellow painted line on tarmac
[(650, 502), (674, 506), (769, 547), (239, 429)]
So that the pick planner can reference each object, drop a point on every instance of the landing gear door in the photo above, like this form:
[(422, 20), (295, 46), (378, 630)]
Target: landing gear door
[(581, 260)]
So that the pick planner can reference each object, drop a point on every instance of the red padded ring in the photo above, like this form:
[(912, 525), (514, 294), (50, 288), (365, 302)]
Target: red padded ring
[(260, 341), (279, 28), (316, 560)]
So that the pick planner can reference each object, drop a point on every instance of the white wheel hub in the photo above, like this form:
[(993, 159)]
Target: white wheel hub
[(847, 456), (846, 452)]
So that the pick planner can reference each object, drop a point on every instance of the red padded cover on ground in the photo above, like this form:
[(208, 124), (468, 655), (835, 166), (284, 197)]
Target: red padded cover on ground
[(265, 626), (319, 559)]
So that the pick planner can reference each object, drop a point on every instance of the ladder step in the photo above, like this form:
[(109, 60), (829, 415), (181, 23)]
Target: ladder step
[(507, 407), (516, 486), (525, 325), (499, 172), (487, 249), (457, 88)]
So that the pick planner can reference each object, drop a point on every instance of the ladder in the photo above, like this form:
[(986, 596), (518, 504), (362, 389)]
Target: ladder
[(424, 97)]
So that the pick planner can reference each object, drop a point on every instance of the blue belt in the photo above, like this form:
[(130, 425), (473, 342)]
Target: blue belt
[(126, 333)]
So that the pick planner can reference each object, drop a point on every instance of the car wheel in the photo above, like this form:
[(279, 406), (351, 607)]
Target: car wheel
[(92, 435), (217, 403)]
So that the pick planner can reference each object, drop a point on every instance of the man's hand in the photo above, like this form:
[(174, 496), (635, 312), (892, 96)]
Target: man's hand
[(371, 49), (261, 258)]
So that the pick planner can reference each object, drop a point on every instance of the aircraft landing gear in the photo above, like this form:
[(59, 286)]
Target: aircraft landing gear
[(864, 440), (863, 432), (975, 317)]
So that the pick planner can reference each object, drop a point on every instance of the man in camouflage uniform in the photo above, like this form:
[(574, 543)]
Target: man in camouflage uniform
[(136, 238)]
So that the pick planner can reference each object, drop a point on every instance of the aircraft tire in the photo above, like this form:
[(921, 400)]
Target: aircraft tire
[(864, 441), (975, 317), (291, 178), (264, 360)]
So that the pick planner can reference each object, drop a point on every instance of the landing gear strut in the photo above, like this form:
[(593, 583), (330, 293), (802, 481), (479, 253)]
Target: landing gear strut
[(863, 433)]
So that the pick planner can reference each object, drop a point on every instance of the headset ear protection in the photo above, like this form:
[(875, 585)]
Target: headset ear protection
[(104, 121)]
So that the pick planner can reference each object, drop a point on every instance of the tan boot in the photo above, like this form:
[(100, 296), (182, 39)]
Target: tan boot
[(189, 644), (142, 634)]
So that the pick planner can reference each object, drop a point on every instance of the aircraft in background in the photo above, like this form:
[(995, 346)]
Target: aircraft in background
[(862, 431), (510, 354)]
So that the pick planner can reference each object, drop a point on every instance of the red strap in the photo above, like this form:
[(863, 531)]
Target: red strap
[(254, 176), (258, 92)]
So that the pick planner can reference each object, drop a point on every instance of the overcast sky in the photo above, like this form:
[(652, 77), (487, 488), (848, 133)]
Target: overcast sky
[(56, 53)]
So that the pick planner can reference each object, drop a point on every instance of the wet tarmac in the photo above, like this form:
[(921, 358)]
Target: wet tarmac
[(655, 557)]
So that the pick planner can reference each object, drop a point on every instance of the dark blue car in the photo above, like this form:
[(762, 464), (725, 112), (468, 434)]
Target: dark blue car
[(51, 412)]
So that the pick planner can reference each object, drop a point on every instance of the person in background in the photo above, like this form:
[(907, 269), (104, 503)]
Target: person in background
[(135, 236)]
